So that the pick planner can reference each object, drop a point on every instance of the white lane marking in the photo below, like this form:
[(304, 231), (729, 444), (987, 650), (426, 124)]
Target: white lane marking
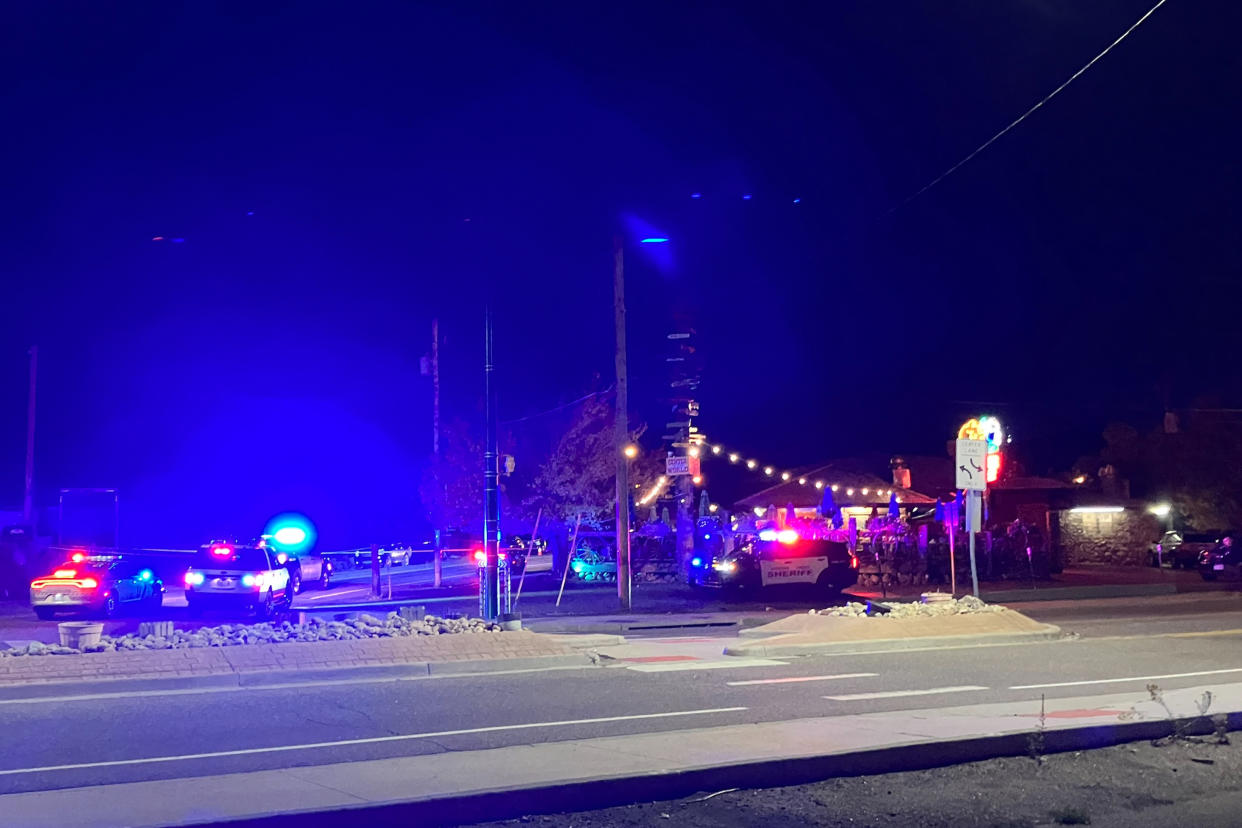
[(894, 694), (795, 679), (676, 666), (1128, 678), (374, 740)]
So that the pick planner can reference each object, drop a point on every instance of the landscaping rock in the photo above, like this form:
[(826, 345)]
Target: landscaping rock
[(236, 635)]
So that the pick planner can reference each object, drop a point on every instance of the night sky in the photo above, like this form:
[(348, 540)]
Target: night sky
[(340, 174)]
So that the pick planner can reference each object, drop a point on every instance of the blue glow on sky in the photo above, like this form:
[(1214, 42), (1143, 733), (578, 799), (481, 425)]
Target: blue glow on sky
[(655, 240)]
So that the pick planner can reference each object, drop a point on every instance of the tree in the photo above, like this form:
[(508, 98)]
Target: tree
[(452, 490), (579, 476)]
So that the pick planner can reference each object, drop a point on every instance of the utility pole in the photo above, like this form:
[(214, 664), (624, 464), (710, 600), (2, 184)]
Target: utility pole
[(28, 500), (489, 584), (438, 564), (621, 429)]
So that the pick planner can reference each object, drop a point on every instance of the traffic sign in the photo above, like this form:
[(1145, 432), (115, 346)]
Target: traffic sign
[(675, 465), (971, 465)]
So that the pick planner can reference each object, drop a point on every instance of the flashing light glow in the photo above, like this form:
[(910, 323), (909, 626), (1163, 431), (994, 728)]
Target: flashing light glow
[(853, 562), (725, 566), (992, 463), (787, 536), (289, 535), (282, 559), (250, 580), (222, 550), (88, 583), (78, 557), (577, 566), (193, 578), (65, 573), (696, 561), (767, 535), (146, 575), (480, 557), (1096, 510), (654, 240)]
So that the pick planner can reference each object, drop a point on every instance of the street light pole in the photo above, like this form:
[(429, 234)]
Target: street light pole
[(621, 427), (489, 586)]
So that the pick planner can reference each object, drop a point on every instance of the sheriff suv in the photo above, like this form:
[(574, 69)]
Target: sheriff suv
[(778, 558), (238, 576)]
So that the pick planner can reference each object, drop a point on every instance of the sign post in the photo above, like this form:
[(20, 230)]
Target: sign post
[(971, 473)]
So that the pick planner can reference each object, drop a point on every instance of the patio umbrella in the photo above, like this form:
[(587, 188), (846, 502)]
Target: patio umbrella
[(790, 515), (704, 504), (838, 519), (892, 504), (827, 506)]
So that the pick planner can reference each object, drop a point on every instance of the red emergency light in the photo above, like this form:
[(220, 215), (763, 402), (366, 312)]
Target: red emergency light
[(222, 550)]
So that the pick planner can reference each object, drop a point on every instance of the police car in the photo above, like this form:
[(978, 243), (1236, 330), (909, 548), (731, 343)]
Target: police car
[(238, 576), (777, 558)]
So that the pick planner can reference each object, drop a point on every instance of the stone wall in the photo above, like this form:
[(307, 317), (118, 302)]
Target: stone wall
[(1118, 538)]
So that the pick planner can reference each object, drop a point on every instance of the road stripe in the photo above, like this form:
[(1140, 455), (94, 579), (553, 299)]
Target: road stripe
[(1128, 678), (368, 741), (795, 679), (895, 694), (681, 666)]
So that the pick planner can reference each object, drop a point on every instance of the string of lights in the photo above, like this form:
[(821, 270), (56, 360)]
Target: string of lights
[(718, 450)]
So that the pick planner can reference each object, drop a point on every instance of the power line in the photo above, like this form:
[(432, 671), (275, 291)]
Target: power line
[(562, 407), (1026, 114)]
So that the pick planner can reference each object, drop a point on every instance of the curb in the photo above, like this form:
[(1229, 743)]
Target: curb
[(1052, 593), (758, 648), (610, 791), (292, 678)]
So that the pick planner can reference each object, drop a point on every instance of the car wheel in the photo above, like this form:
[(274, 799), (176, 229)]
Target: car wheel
[(295, 583), (325, 577), (45, 613), (268, 608)]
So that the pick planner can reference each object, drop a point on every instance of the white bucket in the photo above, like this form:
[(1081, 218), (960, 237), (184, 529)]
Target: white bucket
[(79, 634)]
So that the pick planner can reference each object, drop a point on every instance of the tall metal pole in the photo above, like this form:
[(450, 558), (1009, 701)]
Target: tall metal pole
[(437, 562), (28, 500), (621, 428), (489, 586)]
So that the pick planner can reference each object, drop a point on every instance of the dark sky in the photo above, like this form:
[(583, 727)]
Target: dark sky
[(1082, 269)]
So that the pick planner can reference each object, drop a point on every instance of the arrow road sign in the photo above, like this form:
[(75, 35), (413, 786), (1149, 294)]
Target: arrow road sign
[(971, 460)]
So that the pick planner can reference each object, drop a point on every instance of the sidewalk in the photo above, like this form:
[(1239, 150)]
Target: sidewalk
[(1076, 582), (467, 786), (405, 656)]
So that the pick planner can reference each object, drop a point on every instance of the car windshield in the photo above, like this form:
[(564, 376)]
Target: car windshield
[(240, 558)]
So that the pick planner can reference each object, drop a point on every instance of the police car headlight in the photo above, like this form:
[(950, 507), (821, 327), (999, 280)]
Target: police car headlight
[(725, 566)]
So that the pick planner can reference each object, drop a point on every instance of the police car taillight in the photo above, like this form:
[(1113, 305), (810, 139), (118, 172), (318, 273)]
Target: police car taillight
[(222, 551)]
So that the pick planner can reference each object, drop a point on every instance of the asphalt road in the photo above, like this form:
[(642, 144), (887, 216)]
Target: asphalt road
[(1172, 642)]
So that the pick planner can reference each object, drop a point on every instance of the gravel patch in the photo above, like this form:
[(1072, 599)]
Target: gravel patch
[(952, 606), (1107, 785), (236, 635)]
